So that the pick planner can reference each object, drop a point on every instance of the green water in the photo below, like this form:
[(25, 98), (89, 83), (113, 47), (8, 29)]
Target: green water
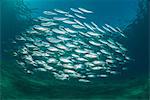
[(17, 85)]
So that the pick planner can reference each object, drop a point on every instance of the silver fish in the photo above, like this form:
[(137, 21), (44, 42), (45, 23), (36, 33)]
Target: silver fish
[(69, 22), (59, 31), (63, 38), (90, 55), (49, 24), (88, 26), (113, 29), (44, 19), (67, 45), (51, 60), (60, 11), (107, 29), (78, 22), (60, 46), (69, 15), (79, 16), (93, 33), (60, 18), (96, 26), (65, 60), (53, 40), (76, 10), (95, 43), (78, 27), (83, 80), (85, 10), (49, 13), (70, 30), (40, 28)]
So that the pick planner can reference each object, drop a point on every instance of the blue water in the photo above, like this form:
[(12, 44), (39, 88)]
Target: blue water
[(122, 13), (127, 14)]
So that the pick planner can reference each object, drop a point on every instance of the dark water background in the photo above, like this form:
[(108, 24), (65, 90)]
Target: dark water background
[(130, 15)]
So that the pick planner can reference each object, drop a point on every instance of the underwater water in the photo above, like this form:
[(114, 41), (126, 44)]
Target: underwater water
[(62, 55)]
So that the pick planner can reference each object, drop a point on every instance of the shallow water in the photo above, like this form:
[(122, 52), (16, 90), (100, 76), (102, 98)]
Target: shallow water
[(130, 85)]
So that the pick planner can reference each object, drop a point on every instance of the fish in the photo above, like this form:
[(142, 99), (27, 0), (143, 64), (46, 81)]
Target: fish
[(20, 38), (123, 48), (97, 68), (28, 57), (65, 60), (93, 33), (112, 46), (78, 22), (105, 52), (59, 18), (96, 62), (69, 66), (78, 26), (109, 61), (69, 22), (103, 41), (67, 45), (53, 40), (71, 45), (75, 55), (70, 30), (95, 43), (37, 53), (39, 28), (49, 68), (88, 26), (59, 31), (69, 71), (107, 29), (84, 34), (60, 76), (60, 46), (44, 19), (123, 35), (52, 60), (20, 63), (62, 38), (53, 49), (79, 16), (69, 15), (111, 41), (85, 10), (81, 51), (41, 69), (76, 10), (113, 29), (60, 11), (81, 59), (90, 55), (91, 76), (49, 13), (84, 80), (96, 26), (119, 29), (113, 72), (128, 58), (15, 54), (47, 24), (45, 55), (103, 75), (28, 45)]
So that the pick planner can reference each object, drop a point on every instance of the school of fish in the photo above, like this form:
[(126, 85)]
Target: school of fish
[(66, 45)]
